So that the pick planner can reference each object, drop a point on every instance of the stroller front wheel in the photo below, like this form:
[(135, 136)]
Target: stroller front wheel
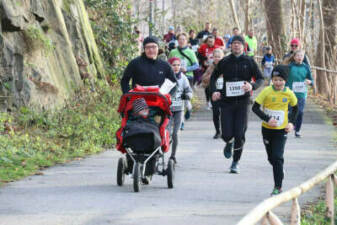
[(121, 171), (170, 173), (136, 177)]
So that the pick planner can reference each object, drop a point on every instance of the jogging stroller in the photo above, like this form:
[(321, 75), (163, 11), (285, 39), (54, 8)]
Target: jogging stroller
[(144, 143)]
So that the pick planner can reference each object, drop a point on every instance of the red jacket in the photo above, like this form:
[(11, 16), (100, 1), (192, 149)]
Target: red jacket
[(168, 37), (207, 51), (219, 42)]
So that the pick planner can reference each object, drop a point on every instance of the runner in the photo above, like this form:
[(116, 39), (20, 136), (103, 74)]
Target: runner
[(237, 70), (299, 78), (205, 54), (275, 100), (295, 45), (252, 42), (183, 93), (193, 42), (267, 63), (147, 69), (218, 39), (189, 63), (170, 36), (218, 54), (202, 35)]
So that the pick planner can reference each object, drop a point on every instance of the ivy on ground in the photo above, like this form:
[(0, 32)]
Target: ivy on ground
[(32, 140)]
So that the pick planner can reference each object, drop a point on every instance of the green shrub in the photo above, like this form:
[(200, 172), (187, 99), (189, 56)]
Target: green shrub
[(86, 125), (316, 214), (112, 26)]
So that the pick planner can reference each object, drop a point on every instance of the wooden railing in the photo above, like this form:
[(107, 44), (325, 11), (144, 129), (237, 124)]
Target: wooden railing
[(263, 214)]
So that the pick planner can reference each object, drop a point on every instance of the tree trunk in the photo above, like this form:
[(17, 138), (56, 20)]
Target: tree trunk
[(274, 21), (329, 8), (163, 16), (247, 16), (155, 9), (236, 21), (293, 19), (302, 22), (322, 81), (174, 10)]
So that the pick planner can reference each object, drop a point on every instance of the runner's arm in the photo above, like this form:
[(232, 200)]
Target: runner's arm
[(257, 110), (128, 73), (258, 76), (187, 90), (192, 67), (214, 77), (263, 61), (293, 114)]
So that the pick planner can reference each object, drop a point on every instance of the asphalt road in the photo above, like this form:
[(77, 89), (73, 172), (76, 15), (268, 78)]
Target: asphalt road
[(85, 192)]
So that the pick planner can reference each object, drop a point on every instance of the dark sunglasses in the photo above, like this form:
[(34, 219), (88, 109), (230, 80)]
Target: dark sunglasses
[(293, 45)]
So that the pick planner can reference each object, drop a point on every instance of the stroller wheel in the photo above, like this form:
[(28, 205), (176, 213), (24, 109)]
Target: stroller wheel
[(136, 177), (121, 171), (170, 173)]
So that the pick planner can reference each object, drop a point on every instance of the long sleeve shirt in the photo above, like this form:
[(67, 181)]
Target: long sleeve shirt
[(146, 72), (235, 72)]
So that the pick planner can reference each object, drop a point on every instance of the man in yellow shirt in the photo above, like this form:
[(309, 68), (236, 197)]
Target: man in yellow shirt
[(274, 101)]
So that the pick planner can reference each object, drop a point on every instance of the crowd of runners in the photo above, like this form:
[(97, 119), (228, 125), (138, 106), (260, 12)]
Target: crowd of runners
[(224, 66)]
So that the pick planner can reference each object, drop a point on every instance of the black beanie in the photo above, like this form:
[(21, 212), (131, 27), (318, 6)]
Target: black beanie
[(150, 39), (238, 38), (281, 71)]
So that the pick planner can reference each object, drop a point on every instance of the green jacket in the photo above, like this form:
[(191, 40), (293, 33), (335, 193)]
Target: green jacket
[(252, 43), (298, 73), (185, 62)]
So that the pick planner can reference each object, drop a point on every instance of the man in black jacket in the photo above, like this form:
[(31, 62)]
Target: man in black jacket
[(147, 70), (235, 73)]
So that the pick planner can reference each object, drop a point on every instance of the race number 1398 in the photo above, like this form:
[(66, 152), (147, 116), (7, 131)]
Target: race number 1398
[(234, 88)]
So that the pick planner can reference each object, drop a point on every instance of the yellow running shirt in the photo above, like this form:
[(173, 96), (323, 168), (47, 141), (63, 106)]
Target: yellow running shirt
[(275, 104)]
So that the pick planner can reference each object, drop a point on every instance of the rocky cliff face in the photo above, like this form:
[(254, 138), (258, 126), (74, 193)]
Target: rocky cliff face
[(47, 49)]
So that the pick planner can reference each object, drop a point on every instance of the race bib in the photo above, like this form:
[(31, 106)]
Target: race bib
[(299, 87), (234, 89), (268, 64), (278, 115), (177, 102), (219, 83)]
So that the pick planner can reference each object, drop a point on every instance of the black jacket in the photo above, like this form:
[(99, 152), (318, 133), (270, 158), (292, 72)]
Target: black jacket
[(146, 72), (242, 68)]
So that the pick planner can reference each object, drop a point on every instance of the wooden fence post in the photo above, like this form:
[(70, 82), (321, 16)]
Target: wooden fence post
[(264, 220), (330, 199), (273, 219), (295, 218)]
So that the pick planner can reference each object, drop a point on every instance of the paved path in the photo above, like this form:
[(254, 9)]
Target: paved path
[(85, 192)]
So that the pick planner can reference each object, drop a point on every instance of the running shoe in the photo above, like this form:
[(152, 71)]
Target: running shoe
[(298, 135), (235, 167), (276, 191), (227, 151), (182, 126)]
